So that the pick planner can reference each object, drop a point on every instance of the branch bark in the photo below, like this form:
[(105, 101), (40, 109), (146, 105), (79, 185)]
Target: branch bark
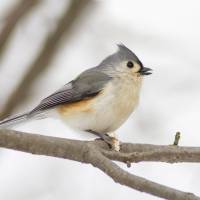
[(18, 12), (73, 12), (100, 156)]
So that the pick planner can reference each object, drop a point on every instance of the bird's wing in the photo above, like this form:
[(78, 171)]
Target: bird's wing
[(86, 85)]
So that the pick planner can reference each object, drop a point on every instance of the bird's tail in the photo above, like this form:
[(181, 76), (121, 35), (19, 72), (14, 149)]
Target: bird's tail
[(10, 121)]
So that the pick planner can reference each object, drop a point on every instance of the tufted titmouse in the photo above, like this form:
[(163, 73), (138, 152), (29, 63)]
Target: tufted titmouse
[(99, 100)]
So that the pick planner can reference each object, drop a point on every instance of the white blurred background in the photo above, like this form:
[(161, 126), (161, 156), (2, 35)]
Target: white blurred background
[(166, 37)]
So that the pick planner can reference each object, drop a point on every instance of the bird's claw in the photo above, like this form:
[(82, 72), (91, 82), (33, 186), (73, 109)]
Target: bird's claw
[(113, 142)]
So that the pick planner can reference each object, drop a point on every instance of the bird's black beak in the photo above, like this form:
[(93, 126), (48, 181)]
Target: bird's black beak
[(145, 71)]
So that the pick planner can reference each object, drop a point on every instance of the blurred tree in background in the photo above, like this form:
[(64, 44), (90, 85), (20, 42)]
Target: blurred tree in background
[(64, 27)]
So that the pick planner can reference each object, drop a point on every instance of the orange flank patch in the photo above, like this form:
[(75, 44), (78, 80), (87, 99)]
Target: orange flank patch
[(76, 107)]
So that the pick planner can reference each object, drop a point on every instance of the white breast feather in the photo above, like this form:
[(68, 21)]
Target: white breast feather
[(111, 108)]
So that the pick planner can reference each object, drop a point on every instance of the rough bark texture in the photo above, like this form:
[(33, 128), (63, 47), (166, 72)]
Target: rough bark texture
[(100, 156)]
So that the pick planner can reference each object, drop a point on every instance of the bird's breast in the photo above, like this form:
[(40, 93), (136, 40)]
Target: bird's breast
[(123, 96), (106, 111)]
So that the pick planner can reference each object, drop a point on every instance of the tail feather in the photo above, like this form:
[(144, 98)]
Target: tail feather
[(13, 120)]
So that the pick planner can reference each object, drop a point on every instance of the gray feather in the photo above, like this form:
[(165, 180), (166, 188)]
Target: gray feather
[(13, 120), (86, 85), (123, 54)]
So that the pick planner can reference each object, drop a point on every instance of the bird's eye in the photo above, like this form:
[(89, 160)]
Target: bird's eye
[(130, 64)]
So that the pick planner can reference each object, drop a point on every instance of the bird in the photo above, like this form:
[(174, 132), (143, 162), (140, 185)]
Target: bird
[(99, 100)]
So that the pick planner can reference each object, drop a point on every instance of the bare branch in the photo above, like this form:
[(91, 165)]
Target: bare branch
[(138, 183), (72, 14), (162, 153), (11, 20), (99, 155)]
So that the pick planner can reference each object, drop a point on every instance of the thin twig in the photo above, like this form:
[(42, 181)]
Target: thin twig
[(99, 155), (73, 12), (177, 138)]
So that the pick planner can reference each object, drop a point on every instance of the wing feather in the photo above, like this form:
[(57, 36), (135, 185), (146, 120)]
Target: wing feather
[(88, 84)]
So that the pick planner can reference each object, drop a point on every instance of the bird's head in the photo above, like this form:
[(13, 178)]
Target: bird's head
[(125, 61)]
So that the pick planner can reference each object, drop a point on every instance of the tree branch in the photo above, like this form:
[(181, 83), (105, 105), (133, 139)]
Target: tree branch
[(99, 155), (160, 153)]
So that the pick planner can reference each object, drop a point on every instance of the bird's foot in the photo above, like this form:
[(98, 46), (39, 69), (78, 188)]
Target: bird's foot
[(113, 142), (110, 139)]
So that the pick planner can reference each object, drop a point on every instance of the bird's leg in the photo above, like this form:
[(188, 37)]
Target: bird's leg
[(109, 138), (102, 136)]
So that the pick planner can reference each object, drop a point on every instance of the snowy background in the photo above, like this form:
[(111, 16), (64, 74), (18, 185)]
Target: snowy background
[(166, 37)]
